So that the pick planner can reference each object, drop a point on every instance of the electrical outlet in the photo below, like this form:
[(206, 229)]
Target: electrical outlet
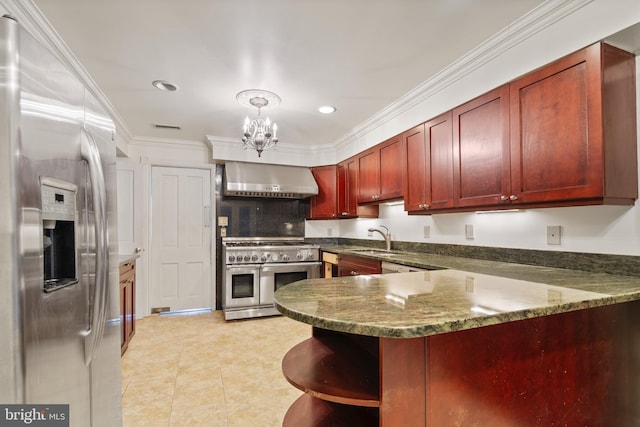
[(329, 232), (370, 233), (553, 234), (468, 231), (427, 231)]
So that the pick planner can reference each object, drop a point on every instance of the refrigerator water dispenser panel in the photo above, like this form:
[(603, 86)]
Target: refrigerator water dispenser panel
[(58, 233)]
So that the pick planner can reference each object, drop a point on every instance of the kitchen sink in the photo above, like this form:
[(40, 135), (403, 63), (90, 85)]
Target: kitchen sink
[(374, 252)]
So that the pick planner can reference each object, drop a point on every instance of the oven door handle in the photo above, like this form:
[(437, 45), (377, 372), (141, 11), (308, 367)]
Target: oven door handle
[(288, 265), (247, 267)]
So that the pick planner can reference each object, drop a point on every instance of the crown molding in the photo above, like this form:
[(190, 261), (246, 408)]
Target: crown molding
[(236, 143), (32, 19), (545, 15)]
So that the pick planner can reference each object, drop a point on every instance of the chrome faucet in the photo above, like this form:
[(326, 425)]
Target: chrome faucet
[(386, 235)]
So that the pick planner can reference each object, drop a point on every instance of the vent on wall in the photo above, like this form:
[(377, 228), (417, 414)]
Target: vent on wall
[(163, 126)]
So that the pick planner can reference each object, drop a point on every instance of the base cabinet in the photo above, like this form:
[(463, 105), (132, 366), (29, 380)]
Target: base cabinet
[(127, 303), (352, 265), (572, 367)]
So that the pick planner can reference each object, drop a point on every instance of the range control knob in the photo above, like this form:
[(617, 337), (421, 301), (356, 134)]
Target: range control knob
[(254, 258), (232, 258), (274, 257), (263, 258), (299, 255), (247, 258), (285, 257)]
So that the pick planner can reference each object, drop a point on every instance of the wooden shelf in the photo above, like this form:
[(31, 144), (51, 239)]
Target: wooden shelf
[(335, 369), (309, 411)]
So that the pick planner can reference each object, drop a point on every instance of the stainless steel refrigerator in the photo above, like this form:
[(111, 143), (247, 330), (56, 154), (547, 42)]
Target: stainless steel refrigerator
[(59, 303)]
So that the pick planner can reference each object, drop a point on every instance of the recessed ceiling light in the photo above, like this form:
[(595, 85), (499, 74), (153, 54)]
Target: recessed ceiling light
[(164, 85), (327, 109)]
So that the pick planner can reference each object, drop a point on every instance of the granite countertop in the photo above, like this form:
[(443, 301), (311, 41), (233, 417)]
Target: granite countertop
[(127, 257), (465, 294)]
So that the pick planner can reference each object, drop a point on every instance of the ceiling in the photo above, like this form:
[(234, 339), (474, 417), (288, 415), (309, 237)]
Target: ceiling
[(358, 55)]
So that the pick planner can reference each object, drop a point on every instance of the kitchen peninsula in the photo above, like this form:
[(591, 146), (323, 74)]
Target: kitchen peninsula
[(456, 347)]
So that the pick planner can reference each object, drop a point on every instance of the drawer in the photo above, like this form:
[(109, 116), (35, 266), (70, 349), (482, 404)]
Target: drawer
[(329, 257), (127, 267)]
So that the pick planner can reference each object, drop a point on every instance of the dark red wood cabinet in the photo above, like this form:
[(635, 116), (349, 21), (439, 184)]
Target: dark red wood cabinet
[(381, 172), (429, 170), (481, 150), (127, 303), (573, 130), (336, 198), (352, 265), (568, 369), (348, 192), (562, 135), (324, 204)]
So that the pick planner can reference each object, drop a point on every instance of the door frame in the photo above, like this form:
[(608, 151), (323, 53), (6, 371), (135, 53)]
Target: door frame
[(147, 167)]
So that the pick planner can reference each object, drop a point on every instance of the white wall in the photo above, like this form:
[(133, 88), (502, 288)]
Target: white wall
[(592, 229)]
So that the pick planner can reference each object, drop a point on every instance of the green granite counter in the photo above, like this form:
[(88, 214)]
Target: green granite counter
[(420, 304)]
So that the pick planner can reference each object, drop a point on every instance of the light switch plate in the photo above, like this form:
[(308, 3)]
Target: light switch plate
[(468, 231), (554, 234), (223, 221), (427, 231)]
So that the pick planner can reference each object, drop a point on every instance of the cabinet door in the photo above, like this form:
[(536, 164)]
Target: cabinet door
[(350, 195), (368, 176), (429, 171), (343, 208), (439, 143), (391, 169), (351, 265), (481, 150), (557, 134), (324, 204), (417, 174)]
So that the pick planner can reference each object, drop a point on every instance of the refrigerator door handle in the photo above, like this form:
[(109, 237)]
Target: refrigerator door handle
[(93, 336)]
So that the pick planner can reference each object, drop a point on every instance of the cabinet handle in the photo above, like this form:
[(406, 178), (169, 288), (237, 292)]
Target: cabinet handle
[(504, 198), (425, 206), (354, 273), (345, 213), (513, 197)]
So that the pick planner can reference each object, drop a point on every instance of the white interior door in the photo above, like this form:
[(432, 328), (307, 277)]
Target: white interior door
[(130, 205), (131, 225), (180, 277)]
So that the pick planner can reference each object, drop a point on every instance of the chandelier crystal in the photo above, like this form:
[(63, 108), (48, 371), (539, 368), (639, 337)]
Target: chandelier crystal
[(259, 134)]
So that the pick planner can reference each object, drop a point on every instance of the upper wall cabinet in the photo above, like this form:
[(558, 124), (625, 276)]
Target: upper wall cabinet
[(348, 191), (324, 204), (336, 196), (429, 171), (481, 150), (573, 130), (562, 135), (381, 172)]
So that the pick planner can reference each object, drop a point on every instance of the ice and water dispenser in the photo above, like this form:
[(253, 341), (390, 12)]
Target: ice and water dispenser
[(59, 229)]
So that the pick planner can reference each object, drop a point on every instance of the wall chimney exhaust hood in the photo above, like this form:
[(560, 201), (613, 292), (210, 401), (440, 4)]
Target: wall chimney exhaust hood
[(267, 180)]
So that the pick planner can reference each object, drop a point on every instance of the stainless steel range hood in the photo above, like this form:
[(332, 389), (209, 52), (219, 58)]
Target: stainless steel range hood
[(268, 180)]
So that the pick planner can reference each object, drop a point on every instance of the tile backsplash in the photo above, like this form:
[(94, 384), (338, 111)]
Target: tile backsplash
[(260, 217)]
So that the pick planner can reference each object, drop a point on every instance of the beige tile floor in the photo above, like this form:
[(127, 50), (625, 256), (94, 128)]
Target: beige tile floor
[(196, 369)]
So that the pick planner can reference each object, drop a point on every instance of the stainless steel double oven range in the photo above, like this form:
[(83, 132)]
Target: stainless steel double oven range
[(256, 267)]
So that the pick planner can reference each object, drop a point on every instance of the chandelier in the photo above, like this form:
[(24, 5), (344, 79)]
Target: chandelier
[(259, 134)]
